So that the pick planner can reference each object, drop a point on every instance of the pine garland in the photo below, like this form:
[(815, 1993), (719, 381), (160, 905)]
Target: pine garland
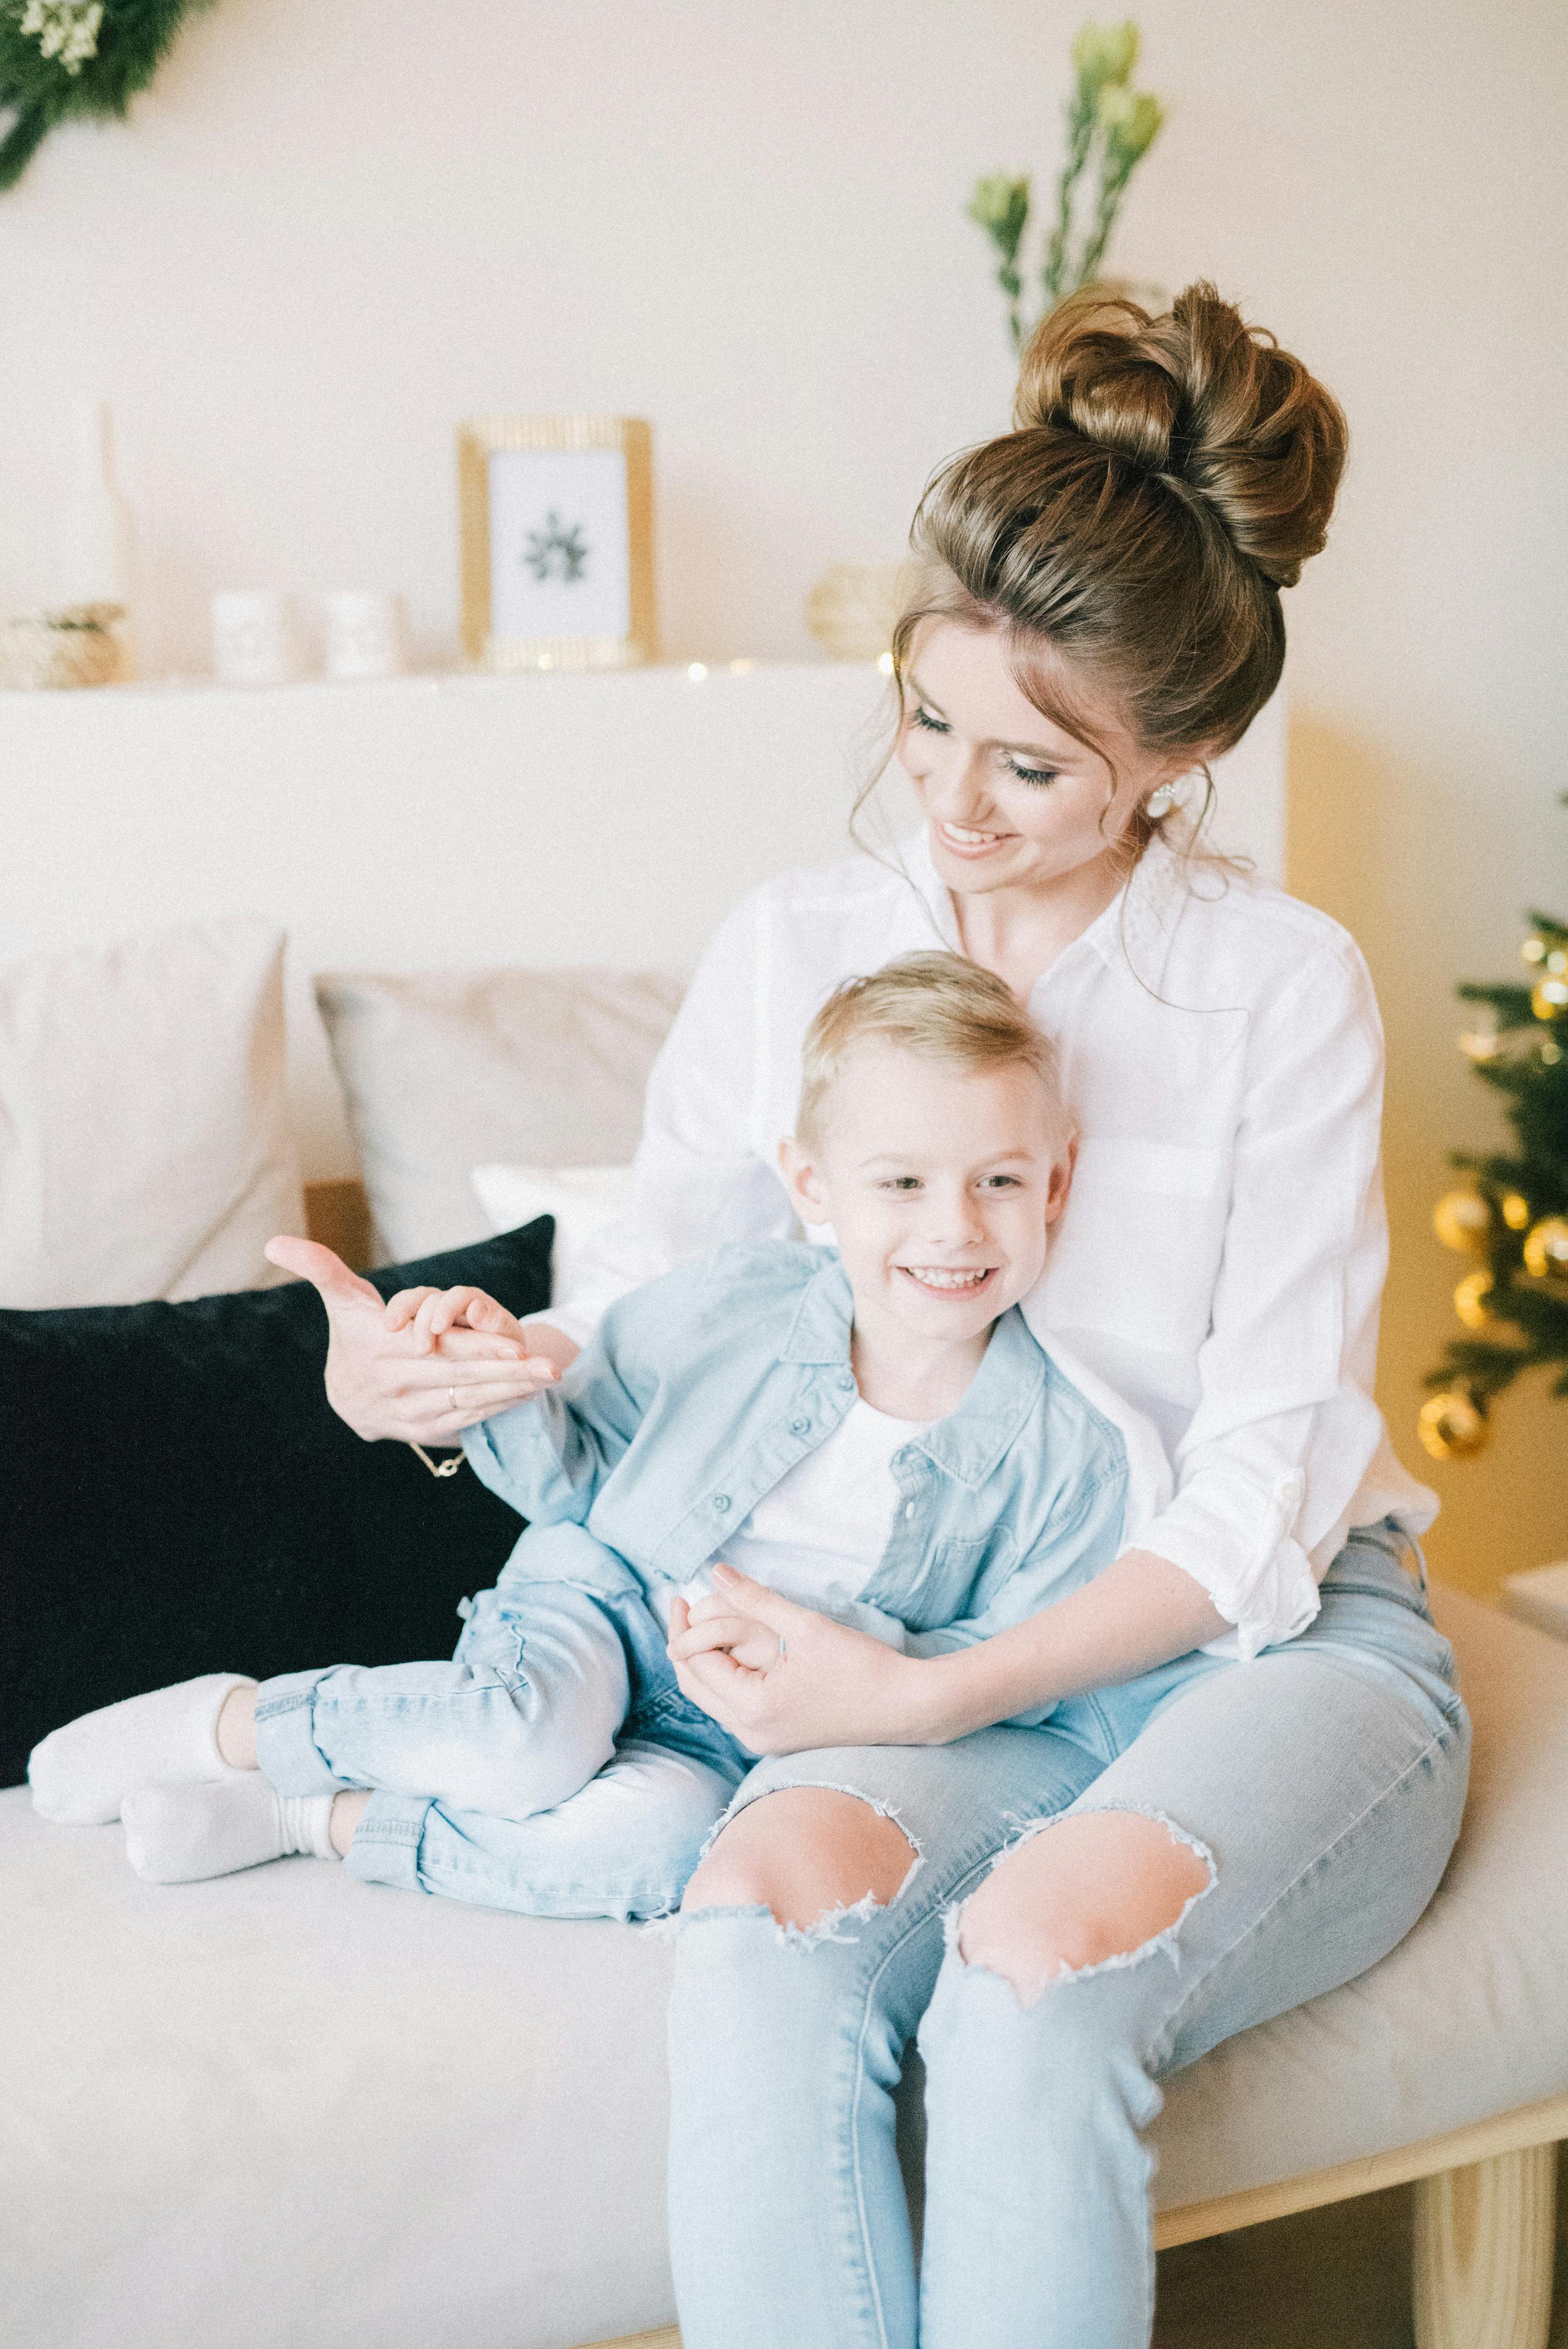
[(60, 58)]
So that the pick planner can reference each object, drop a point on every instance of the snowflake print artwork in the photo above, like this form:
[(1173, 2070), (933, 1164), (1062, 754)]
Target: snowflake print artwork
[(557, 551), (548, 528)]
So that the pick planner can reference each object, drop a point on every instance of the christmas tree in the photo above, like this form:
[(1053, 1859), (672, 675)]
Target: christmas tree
[(1513, 1215)]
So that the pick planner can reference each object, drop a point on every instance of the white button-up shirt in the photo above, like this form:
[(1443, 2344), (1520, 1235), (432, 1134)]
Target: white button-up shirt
[(1216, 1279)]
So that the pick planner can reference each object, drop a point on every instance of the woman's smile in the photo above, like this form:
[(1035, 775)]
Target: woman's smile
[(965, 840)]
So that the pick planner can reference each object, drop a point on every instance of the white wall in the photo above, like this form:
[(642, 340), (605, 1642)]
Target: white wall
[(332, 230)]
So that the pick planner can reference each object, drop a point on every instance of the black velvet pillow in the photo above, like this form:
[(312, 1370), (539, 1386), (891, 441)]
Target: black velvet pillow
[(178, 1497)]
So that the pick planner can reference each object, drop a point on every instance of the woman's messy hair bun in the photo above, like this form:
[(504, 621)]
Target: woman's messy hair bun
[(1167, 475), (1209, 405)]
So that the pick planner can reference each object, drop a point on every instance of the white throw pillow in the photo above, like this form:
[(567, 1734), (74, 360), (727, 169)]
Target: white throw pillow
[(581, 1199), (145, 1145), (446, 1071)]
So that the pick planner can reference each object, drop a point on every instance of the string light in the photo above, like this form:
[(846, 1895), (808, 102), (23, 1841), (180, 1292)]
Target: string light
[(697, 671)]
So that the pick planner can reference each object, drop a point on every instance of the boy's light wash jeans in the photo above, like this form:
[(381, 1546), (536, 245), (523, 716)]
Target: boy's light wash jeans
[(552, 1766), (1322, 1782)]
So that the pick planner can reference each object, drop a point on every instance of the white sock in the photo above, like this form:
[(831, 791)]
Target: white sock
[(81, 1774), (175, 1834)]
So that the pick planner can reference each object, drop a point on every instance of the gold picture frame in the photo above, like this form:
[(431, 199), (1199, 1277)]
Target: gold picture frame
[(555, 517)]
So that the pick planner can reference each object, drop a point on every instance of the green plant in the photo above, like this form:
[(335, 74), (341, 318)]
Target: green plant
[(65, 57), (1108, 121)]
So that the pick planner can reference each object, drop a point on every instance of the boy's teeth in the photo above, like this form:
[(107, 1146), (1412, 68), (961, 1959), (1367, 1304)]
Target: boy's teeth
[(935, 1278)]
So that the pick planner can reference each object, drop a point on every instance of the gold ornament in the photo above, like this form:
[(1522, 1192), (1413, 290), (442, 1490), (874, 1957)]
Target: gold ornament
[(1548, 998), (1516, 1211), (1533, 950), (1546, 1250), (1470, 1301), (1452, 1426), (1462, 1220)]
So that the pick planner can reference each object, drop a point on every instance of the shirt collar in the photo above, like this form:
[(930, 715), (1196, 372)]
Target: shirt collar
[(966, 1444), (820, 1331)]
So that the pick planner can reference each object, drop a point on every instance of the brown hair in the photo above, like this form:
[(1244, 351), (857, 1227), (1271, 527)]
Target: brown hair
[(1166, 476), (940, 1007)]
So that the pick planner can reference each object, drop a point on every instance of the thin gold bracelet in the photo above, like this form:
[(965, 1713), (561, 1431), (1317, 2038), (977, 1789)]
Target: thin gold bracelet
[(438, 1467)]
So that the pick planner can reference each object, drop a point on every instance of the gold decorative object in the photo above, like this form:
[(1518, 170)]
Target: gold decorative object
[(1451, 1425), (1462, 1220), (1548, 998), (1546, 1250), (67, 645), (556, 524), (1516, 1211), (1470, 1301), (853, 608)]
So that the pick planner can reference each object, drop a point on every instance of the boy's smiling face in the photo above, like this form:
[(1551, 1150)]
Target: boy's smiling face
[(940, 1183)]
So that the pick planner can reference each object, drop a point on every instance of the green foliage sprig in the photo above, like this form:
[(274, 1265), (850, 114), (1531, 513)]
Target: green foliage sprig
[(1107, 121), (65, 57)]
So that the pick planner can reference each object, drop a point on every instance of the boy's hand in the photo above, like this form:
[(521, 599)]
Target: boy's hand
[(432, 1312), (712, 1626), (820, 1683), (386, 1376)]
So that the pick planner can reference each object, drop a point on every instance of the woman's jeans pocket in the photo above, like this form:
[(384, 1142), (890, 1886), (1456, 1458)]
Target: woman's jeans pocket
[(1375, 1614)]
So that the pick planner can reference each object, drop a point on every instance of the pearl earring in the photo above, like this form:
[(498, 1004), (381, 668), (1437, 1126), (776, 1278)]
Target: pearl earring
[(1162, 800)]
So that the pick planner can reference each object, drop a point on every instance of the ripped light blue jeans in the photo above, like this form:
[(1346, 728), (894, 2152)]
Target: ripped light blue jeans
[(553, 1767), (1322, 1785)]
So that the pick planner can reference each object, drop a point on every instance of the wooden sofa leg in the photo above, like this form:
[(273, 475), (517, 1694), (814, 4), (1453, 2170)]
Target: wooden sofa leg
[(1484, 2244)]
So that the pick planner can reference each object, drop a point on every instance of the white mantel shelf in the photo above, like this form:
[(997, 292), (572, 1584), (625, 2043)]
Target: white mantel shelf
[(458, 820), (442, 680)]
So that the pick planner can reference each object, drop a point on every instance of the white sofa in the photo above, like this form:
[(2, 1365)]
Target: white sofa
[(286, 2110)]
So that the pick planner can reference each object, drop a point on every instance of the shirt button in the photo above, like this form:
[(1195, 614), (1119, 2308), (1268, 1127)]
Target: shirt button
[(800, 1427), (847, 1380), (720, 1502)]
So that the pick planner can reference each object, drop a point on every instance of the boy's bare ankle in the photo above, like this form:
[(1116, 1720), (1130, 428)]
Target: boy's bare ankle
[(348, 1810), (236, 1729)]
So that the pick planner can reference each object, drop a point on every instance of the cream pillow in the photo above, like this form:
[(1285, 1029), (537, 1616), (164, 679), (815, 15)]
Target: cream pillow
[(145, 1146), (581, 1199), (446, 1071)]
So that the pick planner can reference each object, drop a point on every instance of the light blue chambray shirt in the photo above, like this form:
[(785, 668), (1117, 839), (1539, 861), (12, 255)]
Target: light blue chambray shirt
[(699, 1392)]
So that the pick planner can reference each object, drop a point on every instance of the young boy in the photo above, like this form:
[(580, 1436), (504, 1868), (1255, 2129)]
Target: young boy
[(870, 1429)]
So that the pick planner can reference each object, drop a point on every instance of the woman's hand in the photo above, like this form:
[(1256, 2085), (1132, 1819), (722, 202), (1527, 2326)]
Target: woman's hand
[(783, 1678), (428, 1364)]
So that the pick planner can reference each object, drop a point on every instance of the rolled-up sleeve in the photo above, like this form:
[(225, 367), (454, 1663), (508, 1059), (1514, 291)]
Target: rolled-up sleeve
[(697, 1181), (1285, 1425)]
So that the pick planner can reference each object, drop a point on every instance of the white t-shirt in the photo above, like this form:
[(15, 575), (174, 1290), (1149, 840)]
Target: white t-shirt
[(818, 1536)]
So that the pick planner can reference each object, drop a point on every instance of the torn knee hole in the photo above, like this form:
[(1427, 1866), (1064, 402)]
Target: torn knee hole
[(814, 1858), (1078, 1896)]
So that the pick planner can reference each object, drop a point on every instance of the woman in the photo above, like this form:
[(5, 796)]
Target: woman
[(1256, 1768)]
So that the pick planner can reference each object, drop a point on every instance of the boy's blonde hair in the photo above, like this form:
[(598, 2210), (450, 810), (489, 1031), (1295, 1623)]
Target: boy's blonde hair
[(940, 1007)]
